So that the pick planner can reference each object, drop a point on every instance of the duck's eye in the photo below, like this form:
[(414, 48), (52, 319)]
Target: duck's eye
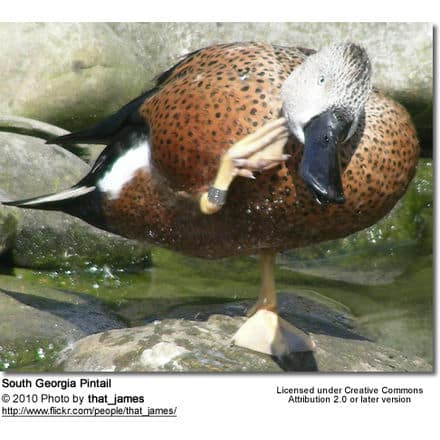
[(321, 80)]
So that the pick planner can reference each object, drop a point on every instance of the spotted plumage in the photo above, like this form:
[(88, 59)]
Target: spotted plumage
[(198, 109)]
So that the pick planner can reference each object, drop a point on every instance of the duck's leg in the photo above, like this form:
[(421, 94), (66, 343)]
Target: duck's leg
[(258, 151), (265, 331)]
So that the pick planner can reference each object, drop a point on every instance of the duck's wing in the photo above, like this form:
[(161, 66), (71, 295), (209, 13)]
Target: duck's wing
[(104, 132)]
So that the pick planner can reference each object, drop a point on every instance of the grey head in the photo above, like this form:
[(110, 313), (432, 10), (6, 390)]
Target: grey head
[(323, 100)]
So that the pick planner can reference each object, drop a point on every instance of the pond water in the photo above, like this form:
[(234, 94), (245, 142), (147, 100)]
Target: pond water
[(389, 293)]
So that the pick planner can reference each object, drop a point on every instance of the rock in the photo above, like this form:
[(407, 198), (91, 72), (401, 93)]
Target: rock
[(197, 339), (8, 227), (66, 73), (30, 167), (47, 240), (37, 320)]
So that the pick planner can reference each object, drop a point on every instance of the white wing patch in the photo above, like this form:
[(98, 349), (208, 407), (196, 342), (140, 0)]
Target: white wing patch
[(124, 168)]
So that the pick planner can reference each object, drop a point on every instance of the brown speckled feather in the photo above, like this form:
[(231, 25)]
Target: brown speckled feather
[(210, 101), (214, 98)]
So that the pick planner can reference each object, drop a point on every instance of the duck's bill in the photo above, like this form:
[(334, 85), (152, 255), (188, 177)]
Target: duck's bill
[(320, 166)]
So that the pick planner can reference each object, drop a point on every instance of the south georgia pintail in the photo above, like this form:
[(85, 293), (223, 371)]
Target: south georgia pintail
[(243, 149)]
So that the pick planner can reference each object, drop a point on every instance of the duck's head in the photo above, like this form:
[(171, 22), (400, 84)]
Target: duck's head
[(323, 100)]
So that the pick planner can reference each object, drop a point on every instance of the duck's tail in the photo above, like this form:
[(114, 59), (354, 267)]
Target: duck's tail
[(80, 201), (126, 135), (53, 202)]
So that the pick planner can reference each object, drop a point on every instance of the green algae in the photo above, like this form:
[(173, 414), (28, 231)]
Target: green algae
[(33, 355)]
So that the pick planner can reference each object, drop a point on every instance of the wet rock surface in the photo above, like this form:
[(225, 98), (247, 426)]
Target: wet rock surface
[(35, 320), (47, 312), (198, 340)]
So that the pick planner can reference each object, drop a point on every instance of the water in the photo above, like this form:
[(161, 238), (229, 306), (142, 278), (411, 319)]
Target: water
[(389, 293)]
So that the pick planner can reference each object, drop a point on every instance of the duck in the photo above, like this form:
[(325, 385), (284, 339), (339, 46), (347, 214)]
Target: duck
[(248, 148)]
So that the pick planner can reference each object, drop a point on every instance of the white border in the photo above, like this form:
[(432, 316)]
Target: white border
[(224, 10), (237, 406)]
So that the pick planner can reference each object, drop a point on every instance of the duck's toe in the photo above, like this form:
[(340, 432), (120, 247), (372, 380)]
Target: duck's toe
[(258, 151), (266, 332)]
